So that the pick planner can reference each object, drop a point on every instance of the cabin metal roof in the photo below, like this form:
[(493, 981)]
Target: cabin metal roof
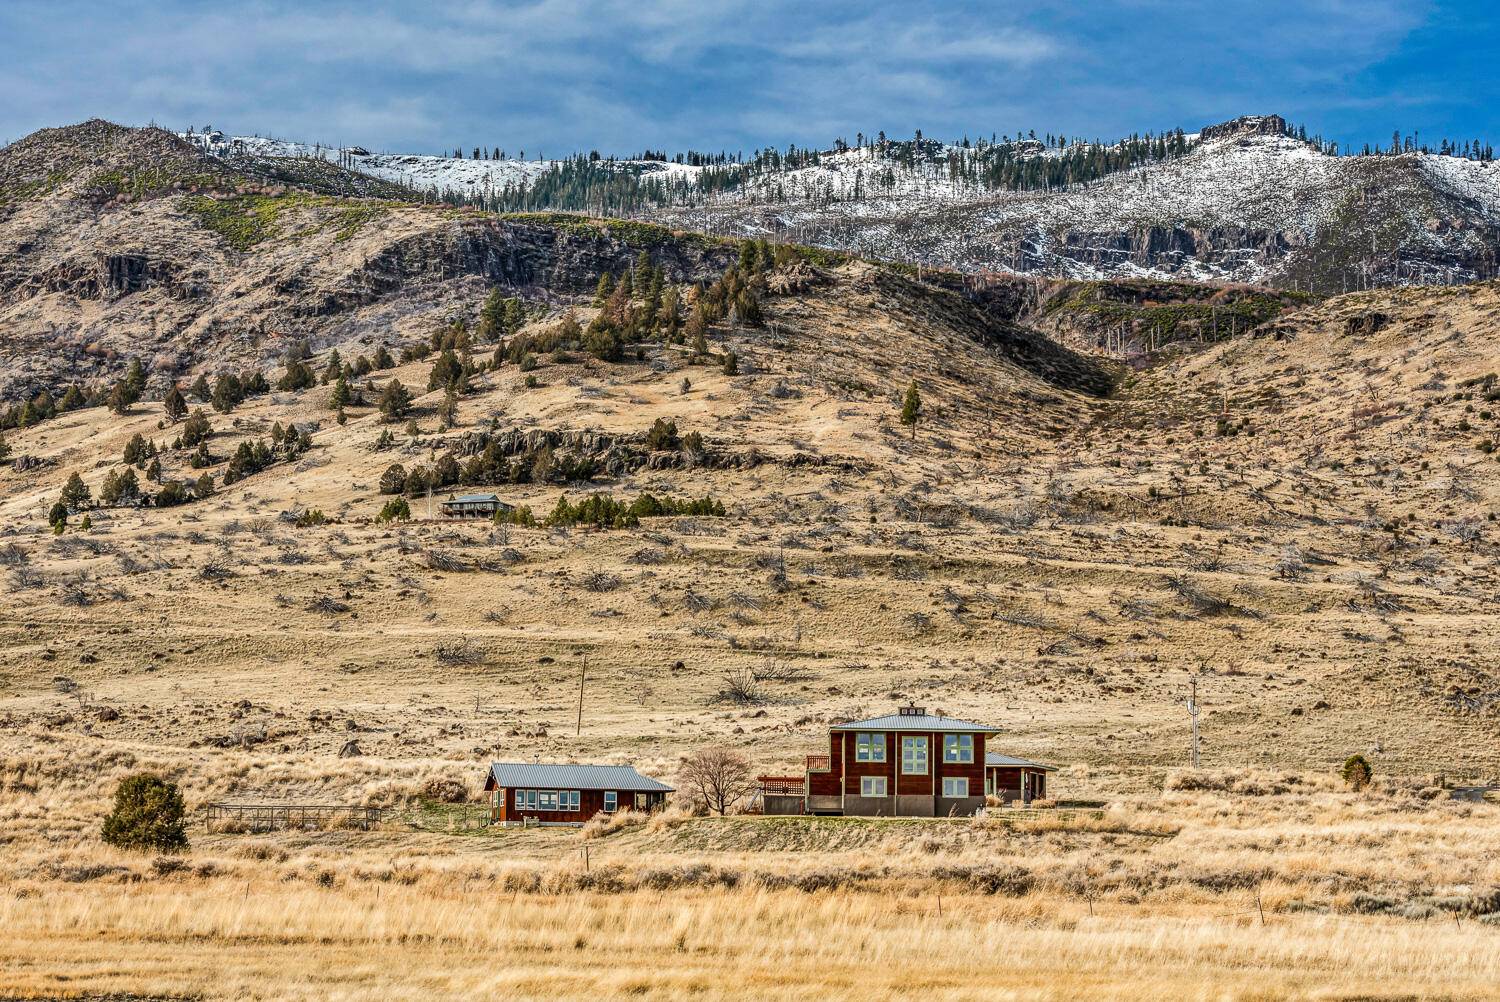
[(543, 776), (915, 722), (995, 758), (473, 498)]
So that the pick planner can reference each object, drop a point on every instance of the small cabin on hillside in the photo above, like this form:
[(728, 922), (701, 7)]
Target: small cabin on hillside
[(907, 764), (567, 794), (472, 506)]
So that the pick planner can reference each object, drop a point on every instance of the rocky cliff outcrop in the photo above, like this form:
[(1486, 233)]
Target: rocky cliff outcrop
[(1247, 125), (551, 259)]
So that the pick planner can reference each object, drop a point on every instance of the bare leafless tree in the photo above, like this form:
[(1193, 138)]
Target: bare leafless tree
[(718, 776)]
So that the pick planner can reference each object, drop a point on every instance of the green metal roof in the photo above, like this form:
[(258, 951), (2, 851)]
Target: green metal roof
[(995, 758), (916, 722), (535, 775)]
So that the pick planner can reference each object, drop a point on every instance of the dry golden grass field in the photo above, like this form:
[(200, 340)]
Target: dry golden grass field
[(1300, 519)]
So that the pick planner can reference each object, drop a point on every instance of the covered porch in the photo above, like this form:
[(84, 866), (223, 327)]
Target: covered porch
[(1012, 779)]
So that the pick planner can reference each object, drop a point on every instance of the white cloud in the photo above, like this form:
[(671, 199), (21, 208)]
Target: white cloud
[(619, 75)]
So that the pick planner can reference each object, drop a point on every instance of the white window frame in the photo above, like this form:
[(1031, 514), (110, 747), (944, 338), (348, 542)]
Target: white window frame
[(570, 800), (531, 800), (520, 800), (547, 800), (955, 786), (958, 749), (869, 746), (611, 801), (873, 786), (911, 745)]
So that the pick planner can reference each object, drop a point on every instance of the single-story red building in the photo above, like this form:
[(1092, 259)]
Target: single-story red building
[(567, 794), (1010, 778), (907, 764)]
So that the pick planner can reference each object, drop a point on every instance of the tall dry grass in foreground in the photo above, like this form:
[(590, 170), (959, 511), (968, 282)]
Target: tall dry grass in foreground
[(1384, 893), (264, 941)]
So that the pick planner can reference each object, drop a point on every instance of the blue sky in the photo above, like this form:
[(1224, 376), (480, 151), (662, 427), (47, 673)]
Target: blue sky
[(553, 77)]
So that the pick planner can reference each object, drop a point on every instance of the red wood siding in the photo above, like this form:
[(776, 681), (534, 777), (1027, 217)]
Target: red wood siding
[(590, 802), (912, 786), (1008, 778), (928, 784), (972, 771), (855, 769), (827, 784), (845, 772)]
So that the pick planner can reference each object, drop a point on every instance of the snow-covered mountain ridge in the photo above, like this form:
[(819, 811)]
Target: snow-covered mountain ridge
[(1239, 201), (461, 176), (1237, 207)]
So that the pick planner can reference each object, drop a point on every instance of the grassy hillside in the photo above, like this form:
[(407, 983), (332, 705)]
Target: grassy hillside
[(1310, 545)]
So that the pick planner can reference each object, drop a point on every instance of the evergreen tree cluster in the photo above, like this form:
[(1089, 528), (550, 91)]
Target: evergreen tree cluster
[(46, 405), (287, 445), (119, 396), (591, 183), (1025, 165), (139, 451), (635, 306), (605, 512), (501, 316), (736, 295), (1468, 149), (119, 488), (230, 390), (227, 392), (492, 465), (394, 510)]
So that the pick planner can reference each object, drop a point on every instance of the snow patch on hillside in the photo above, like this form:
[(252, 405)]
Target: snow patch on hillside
[(435, 174)]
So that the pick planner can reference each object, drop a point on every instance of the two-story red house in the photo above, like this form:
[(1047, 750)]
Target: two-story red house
[(910, 763)]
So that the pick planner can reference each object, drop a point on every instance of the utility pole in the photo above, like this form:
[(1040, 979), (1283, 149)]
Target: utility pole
[(431, 466), (1192, 708), (583, 672)]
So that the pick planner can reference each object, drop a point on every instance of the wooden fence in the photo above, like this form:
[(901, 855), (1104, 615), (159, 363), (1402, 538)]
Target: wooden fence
[(270, 817)]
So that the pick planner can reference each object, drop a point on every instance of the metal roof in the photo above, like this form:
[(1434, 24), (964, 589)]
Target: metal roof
[(995, 758), (915, 722), (545, 776), (473, 497)]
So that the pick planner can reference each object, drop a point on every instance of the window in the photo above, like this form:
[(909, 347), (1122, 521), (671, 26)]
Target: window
[(520, 800), (548, 800), (872, 786), (958, 748), (570, 800), (955, 786), (914, 756), (869, 747), (531, 800), (611, 799)]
